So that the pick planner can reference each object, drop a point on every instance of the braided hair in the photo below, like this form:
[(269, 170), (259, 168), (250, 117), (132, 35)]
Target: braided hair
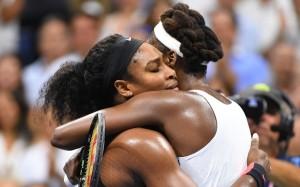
[(78, 89), (199, 44)]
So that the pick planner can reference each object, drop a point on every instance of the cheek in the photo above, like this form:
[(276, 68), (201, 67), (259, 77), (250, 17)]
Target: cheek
[(149, 83), (156, 82)]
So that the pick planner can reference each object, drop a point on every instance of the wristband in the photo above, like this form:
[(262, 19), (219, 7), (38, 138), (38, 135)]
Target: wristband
[(257, 172)]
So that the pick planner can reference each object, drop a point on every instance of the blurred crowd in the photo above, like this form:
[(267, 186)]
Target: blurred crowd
[(260, 39)]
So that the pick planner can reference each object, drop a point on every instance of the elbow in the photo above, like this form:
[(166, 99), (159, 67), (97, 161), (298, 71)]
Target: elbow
[(62, 140), (58, 141)]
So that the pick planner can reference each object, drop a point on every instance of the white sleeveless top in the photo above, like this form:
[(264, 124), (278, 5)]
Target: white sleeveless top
[(222, 160)]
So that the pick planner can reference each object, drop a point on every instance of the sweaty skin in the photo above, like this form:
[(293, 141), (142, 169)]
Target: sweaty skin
[(160, 105), (142, 157)]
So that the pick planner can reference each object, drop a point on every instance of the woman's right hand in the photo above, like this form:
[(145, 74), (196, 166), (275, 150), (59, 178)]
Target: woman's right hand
[(257, 155), (72, 168)]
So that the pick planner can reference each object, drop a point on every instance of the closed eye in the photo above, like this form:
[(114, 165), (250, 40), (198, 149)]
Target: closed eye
[(153, 66)]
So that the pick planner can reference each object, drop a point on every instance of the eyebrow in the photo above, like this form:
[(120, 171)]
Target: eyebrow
[(156, 58)]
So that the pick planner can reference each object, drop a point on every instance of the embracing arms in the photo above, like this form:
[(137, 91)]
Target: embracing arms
[(151, 170), (152, 108)]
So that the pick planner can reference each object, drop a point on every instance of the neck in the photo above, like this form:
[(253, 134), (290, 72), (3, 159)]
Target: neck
[(38, 138), (8, 133), (9, 137), (189, 82)]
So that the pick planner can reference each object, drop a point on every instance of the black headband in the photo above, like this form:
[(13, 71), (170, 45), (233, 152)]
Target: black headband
[(119, 58)]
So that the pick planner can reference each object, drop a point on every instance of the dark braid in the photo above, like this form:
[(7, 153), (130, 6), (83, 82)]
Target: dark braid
[(198, 42), (76, 89)]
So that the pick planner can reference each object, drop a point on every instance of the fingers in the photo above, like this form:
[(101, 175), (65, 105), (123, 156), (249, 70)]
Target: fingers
[(255, 141), (67, 181)]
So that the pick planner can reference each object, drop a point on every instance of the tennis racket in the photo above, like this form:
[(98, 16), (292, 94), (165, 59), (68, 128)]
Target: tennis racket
[(92, 153)]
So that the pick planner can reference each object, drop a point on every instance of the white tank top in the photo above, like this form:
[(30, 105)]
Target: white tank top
[(222, 160)]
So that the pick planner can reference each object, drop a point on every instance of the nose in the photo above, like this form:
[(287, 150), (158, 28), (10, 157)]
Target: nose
[(170, 73)]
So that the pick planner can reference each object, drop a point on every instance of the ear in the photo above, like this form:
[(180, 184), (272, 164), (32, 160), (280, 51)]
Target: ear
[(171, 58), (122, 88)]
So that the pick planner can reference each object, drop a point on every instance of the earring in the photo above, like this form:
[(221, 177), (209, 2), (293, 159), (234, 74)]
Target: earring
[(129, 94)]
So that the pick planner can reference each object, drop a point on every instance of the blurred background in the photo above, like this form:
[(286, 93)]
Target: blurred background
[(260, 39)]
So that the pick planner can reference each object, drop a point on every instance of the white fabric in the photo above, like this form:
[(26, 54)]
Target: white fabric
[(202, 6), (265, 17), (9, 37), (62, 156), (166, 39), (36, 160), (223, 159), (292, 25), (36, 74), (10, 160)]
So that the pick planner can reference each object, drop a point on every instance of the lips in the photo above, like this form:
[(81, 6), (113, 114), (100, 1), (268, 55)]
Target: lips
[(172, 86)]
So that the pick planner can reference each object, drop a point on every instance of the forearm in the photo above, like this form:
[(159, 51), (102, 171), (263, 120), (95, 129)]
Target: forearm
[(245, 181), (284, 173), (130, 114), (72, 135)]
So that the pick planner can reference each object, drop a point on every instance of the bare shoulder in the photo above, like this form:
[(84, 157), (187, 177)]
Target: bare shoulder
[(132, 155), (167, 95), (141, 157), (169, 99), (140, 140)]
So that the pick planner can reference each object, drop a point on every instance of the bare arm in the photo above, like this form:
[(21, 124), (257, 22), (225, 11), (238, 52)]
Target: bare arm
[(284, 173), (245, 181), (142, 110), (146, 155), (72, 166)]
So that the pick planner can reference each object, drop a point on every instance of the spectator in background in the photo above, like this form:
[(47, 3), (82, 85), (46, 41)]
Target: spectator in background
[(273, 120), (154, 9), (36, 155), (77, 4), (291, 25), (85, 27), (296, 6), (32, 17), (55, 50), (10, 73), (268, 16), (286, 69), (283, 62), (294, 148), (158, 8), (202, 6), (236, 71), (125, 20), (9, 25), (285, 66), (247, 33), (12, 136), (54, 47), (40, 156)]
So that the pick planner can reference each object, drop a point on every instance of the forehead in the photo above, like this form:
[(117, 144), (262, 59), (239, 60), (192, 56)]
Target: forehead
[(146, 53)]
